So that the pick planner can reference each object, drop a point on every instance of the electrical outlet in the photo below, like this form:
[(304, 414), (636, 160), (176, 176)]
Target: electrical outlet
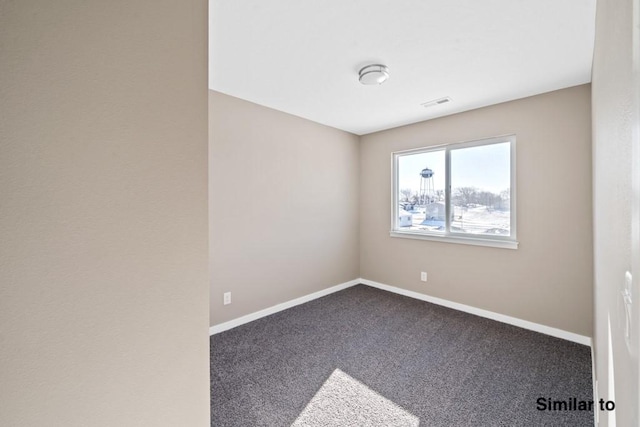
[(227, 298), (423, 276)]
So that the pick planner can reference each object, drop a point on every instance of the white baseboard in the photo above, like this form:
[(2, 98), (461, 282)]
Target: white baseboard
[(547, 330), (221, 327)]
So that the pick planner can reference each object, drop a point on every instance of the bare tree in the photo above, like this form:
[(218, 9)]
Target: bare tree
[(406, 194), (489, 199), (465, 196), (505, 198)]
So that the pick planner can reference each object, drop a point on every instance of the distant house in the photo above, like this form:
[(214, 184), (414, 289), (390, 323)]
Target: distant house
[(435, 211), (405, 218), (434, 215)]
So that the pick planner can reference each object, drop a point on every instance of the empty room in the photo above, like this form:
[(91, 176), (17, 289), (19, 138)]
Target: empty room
[(319, 213), (401, 214)]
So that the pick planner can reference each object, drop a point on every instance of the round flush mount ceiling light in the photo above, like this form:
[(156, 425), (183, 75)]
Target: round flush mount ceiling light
[(374, 74)]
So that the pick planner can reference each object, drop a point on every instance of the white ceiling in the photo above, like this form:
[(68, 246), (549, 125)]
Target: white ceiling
[(303, 56)]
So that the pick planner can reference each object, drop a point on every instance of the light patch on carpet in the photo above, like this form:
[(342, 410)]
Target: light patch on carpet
[(344, 401)]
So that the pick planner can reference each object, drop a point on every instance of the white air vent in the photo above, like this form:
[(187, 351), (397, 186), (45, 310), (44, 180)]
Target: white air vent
[(435, 102)]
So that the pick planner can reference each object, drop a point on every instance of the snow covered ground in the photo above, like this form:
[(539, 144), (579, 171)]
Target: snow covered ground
[(473, 220)]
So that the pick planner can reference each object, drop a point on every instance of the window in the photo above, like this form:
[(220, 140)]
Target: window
[(459, 193)]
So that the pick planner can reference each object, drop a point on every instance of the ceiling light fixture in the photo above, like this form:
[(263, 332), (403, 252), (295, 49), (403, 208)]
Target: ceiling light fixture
[(374, 74)]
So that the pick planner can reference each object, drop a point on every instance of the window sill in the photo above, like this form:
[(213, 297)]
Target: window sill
[(504, 244)]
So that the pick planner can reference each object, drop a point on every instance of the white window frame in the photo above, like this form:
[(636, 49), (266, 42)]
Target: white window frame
[(507, 242)]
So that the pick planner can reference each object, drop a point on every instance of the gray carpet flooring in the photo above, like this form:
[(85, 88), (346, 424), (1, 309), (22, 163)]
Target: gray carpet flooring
[(441, 366)]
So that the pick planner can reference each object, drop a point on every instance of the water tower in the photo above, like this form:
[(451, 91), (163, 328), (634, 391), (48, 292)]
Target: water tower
[(427, 191)]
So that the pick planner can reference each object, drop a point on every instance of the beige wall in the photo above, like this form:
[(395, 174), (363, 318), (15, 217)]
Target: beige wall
[(616, 154), (548, 279), (103, 213), (283, 206)]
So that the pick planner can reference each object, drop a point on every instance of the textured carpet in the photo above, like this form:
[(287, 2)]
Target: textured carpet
[(344, 401), (441, 366)]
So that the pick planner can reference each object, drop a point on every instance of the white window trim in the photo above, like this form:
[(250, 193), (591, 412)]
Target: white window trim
[(448, 236)]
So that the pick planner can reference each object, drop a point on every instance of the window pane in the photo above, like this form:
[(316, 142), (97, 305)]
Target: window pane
[(421, 179), (480, 190)]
